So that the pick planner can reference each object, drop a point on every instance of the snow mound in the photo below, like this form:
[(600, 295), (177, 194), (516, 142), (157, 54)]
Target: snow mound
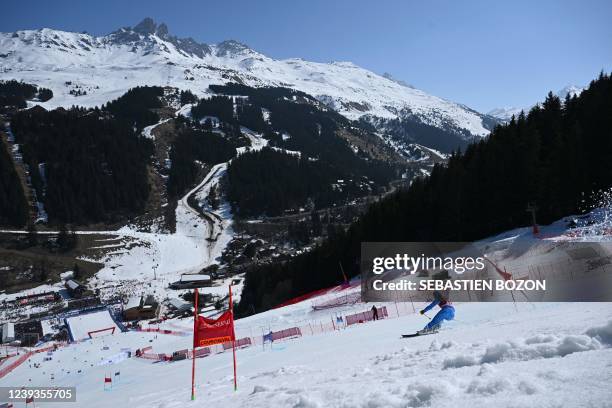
[(543, 348), (459, 361), (422, 394), (488, 387), (532, 348), (437, 346), (602, 333)]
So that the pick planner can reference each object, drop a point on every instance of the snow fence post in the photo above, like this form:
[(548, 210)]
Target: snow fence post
[(231, 307), (195, 320), (263, 341)]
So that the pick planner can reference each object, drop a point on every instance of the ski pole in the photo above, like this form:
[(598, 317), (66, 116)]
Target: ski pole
[(426, 316)]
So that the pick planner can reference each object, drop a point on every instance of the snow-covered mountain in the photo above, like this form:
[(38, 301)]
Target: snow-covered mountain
[(571, 90), (82, 69), (506, 113)]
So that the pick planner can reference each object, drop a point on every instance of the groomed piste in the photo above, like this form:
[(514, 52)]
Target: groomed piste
[(501, 354)]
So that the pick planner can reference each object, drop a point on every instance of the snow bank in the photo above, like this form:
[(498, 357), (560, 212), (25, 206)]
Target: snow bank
[(555, 348), (536, 347), (459, 361)]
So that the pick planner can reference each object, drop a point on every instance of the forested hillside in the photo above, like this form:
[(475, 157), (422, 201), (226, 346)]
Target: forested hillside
[(556, 157), (269, 182), (13, 205), (86, 166), (328, 170), (15, 94), (196, 144), (136, 106), (219, 106), (90, 165)]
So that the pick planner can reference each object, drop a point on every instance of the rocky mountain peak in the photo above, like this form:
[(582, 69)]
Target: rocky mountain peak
[(162, 30), (230, 47), (146, 26)]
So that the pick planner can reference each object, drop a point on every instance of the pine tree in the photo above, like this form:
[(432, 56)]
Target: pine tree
[(213, 197), (43, 273), (316, 225), (76, 272), (32, 235), (63, 239), (72, 239)]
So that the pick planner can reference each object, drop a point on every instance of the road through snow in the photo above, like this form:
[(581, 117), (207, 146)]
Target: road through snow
[(148, 262)]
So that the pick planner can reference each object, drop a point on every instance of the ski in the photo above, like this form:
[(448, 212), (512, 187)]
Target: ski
[(404, 336)]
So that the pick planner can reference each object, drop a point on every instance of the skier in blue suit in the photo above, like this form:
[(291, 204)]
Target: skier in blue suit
[(447, 311)]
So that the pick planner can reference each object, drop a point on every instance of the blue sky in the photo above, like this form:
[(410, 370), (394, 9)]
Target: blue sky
[(484, 54)]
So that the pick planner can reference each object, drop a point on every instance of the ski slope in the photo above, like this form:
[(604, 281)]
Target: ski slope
[(494, 354)]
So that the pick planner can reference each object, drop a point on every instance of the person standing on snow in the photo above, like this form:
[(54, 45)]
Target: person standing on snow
[(447, 312)]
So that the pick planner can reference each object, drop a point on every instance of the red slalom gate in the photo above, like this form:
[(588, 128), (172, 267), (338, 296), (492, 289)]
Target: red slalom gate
[(209, 332)]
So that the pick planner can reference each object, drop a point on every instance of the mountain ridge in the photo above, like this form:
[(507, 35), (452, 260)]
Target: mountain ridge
[(88, 70)]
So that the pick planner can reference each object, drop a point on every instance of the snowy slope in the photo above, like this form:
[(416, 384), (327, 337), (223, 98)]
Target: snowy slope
[(155, 260), (105, 67), (506, 113), (492, 355)]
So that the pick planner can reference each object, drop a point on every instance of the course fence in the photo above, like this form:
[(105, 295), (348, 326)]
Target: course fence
[(240, 343), (6, 369), (164, 331), (343, 300), (335, 322), (367, 316), (14, 364)]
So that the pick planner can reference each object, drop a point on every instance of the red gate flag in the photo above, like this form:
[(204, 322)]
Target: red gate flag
[(207, 332), (214, 331)]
